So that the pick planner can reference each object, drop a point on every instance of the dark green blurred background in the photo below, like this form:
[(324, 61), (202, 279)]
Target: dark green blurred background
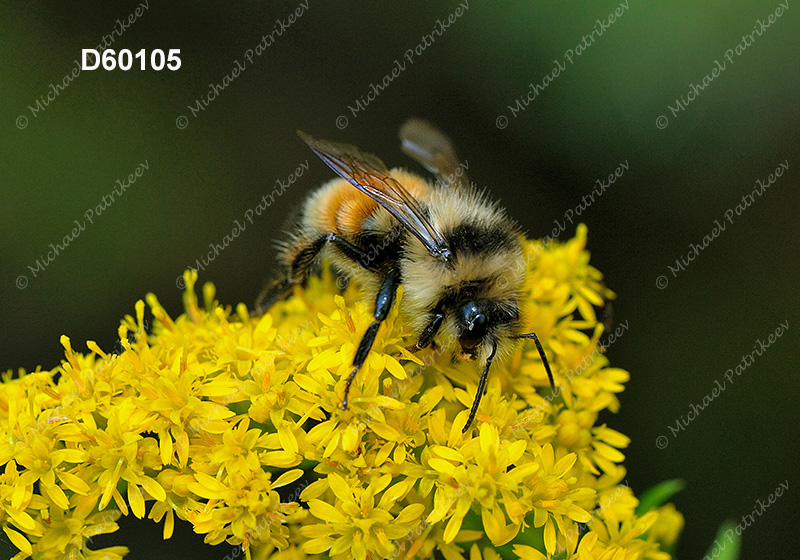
[(601, 111)]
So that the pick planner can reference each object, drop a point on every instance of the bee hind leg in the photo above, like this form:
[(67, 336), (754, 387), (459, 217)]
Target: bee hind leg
[(301, 261), (383, 303), (271, 295)]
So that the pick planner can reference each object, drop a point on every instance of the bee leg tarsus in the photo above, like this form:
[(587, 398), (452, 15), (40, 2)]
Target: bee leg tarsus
[(481, 388), (361, 356), (383, 303), (364, 347), (347, 387), (542, 354)]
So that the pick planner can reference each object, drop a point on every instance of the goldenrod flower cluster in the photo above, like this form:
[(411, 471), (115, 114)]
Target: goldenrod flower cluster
[(235, 425)]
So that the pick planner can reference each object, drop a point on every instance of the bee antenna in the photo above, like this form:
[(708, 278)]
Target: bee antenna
[(541, 353)]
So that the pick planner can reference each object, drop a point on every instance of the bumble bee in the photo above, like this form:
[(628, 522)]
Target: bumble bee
[(457, 255)]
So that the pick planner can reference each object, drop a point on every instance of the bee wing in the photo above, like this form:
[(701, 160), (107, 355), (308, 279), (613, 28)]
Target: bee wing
[(434, 151), (369, 174)]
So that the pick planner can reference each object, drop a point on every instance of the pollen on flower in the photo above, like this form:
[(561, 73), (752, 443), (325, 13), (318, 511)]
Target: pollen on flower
[(234, 424)]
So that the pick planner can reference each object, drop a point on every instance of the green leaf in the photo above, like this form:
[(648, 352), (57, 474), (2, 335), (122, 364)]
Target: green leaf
[(727, 544), (240, 407), (658, 495)]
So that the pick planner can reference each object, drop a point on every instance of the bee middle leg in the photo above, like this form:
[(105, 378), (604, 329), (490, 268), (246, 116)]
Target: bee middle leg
[(383, 303)]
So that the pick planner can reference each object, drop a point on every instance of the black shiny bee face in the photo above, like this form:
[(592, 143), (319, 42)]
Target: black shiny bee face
[(479, 322), (473, 324)]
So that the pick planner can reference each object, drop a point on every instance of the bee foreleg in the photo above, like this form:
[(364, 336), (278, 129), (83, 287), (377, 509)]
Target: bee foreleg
[(383, 303), (481, 388), (428, 333)]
